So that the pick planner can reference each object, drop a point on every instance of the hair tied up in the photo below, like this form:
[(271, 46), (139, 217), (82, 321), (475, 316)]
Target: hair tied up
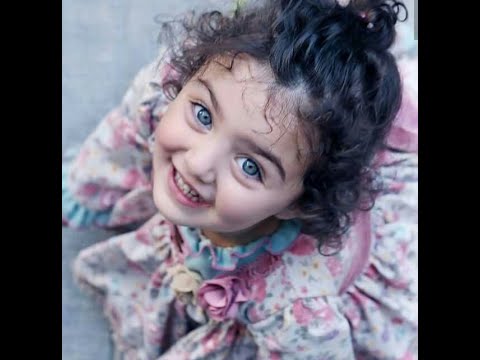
[(363, 15), (379, 17), (343, 3)]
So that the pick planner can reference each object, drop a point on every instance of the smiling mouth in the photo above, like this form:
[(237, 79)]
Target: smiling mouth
[(186, 189), (184, 192)]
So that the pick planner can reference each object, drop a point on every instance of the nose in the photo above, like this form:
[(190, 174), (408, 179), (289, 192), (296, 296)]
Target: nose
[(202, 160)]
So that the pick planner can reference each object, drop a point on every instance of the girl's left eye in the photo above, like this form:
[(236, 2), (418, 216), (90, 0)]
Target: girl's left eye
[(249, 167), (202, 115)]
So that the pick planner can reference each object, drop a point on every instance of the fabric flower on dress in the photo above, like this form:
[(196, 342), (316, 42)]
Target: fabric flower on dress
[(222, 297), (185, 283)]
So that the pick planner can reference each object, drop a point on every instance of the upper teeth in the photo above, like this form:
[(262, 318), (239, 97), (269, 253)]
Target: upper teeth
[(187, 190)]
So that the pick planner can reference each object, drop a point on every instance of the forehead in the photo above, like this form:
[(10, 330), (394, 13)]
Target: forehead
[(247, 93)]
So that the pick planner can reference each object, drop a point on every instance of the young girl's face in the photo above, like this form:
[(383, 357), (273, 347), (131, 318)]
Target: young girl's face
[(215, 143)]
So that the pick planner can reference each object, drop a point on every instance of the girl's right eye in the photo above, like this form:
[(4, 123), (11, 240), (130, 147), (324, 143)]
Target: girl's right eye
[(202, 115)]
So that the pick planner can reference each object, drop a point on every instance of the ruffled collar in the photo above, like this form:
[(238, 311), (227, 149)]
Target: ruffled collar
[(210, 260)]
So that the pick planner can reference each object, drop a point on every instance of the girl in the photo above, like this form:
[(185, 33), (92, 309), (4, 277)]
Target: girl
[(270, 183)]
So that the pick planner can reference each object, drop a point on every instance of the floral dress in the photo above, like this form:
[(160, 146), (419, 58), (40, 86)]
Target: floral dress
[(168, 293)]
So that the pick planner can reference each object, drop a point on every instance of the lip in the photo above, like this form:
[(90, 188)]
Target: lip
[(179, 195)]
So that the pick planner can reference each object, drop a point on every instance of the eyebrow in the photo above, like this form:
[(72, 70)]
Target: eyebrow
[(213, 98), (275, 160)]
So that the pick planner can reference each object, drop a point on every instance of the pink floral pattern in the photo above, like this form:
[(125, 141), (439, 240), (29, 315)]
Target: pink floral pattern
[(334, 266), (304, 245), (279, 305), (221, 297)]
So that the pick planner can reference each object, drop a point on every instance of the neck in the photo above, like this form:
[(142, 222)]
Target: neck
[(244, 237)]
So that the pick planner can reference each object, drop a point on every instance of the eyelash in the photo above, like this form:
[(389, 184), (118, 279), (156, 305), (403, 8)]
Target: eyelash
[(195, 112), (259, 176)]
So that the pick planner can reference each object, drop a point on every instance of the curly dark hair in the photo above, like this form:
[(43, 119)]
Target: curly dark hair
[(351, 88)]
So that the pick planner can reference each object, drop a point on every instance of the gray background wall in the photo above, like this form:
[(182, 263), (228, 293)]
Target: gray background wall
[(104, 43)]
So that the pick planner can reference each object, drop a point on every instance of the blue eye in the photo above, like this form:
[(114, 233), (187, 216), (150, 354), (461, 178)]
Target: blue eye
[(249, 167), (202, 115)]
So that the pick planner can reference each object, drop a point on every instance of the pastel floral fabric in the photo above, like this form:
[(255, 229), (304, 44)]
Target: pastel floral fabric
[(168, 293)]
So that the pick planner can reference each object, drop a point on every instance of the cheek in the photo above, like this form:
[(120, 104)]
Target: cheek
[(169, 131), (238, 205)]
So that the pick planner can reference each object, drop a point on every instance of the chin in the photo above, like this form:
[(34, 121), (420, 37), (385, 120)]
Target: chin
[(172, 215)]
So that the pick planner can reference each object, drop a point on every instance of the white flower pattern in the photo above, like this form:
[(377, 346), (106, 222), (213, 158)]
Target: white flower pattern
[(185, 283)]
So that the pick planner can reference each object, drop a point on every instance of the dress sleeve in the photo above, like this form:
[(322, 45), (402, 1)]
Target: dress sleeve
[(308, 328), (107, 183), (382, 303)]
